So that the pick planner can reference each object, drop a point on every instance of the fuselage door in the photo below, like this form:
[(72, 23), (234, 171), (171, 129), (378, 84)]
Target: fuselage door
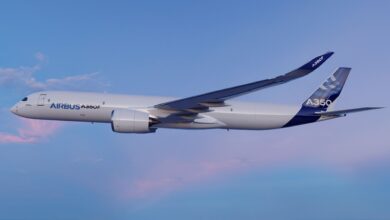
[(41, 99)]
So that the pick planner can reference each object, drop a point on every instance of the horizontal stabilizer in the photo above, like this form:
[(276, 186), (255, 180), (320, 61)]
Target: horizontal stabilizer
[(346, 111)]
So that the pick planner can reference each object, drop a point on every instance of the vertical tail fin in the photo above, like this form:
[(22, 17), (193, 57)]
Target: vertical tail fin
[(321, 99), (329, 91)]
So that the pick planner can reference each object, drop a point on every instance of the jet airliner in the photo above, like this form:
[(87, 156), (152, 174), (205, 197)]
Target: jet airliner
[(141, 114)]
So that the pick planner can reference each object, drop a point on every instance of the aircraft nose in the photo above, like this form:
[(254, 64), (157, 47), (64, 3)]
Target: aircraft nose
[(14, 109)]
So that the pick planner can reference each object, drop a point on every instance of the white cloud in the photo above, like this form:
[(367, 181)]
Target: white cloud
[(40, 56), (24, 78)]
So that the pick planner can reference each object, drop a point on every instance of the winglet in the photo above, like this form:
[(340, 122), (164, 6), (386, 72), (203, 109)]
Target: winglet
[(317, 61)]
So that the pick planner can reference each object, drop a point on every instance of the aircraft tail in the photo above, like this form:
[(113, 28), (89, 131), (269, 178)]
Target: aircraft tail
[(321, 99), (319, 106), (328, 92)]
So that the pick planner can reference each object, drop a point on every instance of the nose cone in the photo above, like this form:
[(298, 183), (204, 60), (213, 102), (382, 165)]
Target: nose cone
[(14, 109)]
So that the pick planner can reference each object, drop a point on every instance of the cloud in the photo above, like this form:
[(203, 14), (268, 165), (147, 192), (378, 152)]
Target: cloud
[(79, 82), (244, 151), (10, 138), (40, 56), (178, 174), (25, 77), (223, 157), (31, 131)]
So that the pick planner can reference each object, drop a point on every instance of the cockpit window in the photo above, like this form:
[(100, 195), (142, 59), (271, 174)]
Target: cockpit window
[(24, 99)]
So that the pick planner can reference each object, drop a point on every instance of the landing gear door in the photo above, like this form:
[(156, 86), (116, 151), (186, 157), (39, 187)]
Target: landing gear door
[(41, 99)]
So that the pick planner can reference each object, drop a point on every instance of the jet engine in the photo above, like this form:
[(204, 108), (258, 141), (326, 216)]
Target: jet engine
[(131, 121)]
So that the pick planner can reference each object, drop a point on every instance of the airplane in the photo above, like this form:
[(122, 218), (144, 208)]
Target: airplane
[(212, 110)]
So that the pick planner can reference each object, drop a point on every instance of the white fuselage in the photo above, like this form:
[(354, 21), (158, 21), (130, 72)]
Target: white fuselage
[(98, 107)]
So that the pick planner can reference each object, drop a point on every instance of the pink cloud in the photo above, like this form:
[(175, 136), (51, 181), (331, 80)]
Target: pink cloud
[(178, 174), (31, 131), (239, 153), (165, 177), (10, 138)]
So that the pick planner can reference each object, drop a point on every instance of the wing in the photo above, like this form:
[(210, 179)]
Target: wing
[(189, 107), (339, 113)]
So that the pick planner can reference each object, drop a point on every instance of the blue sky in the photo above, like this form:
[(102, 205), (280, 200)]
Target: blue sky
[(336, 169)]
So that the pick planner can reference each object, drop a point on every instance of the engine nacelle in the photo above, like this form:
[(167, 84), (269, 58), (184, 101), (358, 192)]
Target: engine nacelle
[(130, 121)]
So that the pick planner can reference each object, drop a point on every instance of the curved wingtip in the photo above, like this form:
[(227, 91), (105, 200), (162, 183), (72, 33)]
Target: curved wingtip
[(317, 61), (330, 52)]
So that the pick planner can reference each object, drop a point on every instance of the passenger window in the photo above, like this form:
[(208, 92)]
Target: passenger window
[(24, 99)]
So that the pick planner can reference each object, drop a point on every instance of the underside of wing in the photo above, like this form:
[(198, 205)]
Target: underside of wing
[(186, 109)]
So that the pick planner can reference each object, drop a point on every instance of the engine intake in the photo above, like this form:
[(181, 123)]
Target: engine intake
[(131, 121)]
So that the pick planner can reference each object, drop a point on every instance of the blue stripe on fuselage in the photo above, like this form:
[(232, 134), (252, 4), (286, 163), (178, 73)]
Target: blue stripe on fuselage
[(305, 115)]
